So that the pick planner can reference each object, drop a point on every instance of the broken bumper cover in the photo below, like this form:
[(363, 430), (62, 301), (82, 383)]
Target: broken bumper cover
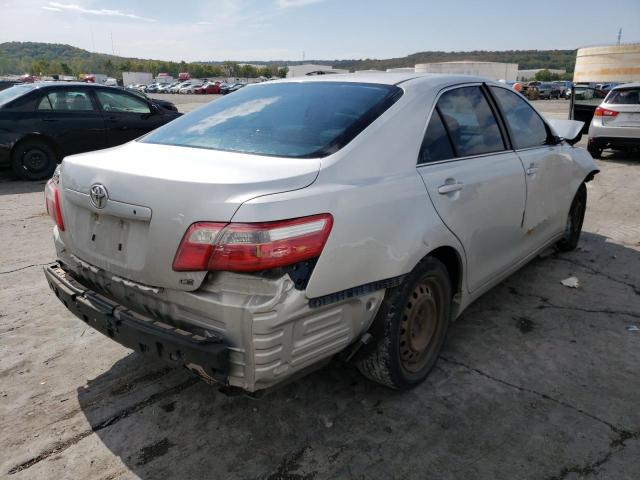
[(206, 356)]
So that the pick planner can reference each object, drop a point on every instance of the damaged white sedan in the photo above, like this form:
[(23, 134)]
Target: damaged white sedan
[(258, 236)]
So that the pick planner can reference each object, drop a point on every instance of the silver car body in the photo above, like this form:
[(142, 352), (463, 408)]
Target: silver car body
[(624, 127), (489, 214)]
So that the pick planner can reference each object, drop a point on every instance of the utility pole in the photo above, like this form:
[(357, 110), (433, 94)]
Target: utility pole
[(619, 35), (112, 49)]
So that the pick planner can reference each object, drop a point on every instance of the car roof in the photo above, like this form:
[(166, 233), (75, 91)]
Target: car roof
[(627, 85), (389, 78), (62, 84)]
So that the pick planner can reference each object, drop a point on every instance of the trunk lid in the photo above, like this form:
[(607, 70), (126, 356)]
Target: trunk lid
[(149, 195), (628, 116)]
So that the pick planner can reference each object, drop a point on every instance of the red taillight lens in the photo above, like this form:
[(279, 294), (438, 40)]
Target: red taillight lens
[(197, 246), (604, 112), (52, 203), (250, 247)]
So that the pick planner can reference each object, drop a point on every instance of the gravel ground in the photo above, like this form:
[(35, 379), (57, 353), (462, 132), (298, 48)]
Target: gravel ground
[(536, 381)]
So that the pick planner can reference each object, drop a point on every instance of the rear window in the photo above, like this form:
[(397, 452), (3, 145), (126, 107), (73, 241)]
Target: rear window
[(296, 120), (14, 92), (624, 96)]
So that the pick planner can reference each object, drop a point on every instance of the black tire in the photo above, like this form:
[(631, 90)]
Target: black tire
[(595, 151), (575, 218), (410, 328), (33, 160)]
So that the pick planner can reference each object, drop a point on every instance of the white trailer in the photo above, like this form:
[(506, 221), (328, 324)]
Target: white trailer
[(136, 78)]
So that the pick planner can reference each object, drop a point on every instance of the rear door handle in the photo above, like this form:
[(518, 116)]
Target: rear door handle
[(450, 187), (532, 170)]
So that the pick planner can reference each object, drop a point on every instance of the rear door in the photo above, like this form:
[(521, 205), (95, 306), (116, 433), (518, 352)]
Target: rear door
[(71, 117), (548, 171), (584, 101), (475, 181), (126, 116)]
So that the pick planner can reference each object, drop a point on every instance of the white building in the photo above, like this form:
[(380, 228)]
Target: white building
[(492, 70), (311, 69)]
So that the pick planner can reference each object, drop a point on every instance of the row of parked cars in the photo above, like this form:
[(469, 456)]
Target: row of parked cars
[(193, 86)]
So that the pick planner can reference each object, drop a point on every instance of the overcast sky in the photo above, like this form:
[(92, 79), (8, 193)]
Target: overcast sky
[(322, 29)]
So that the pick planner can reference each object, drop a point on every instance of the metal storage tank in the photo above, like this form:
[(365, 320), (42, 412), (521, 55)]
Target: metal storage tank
[(492, 70), (613, 63)]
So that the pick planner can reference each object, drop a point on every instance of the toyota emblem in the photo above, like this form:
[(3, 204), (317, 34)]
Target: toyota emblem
[(98, 195)]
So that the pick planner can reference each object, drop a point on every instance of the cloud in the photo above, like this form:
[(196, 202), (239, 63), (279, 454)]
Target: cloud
[(295, 3), (103, 12), (204, 23)]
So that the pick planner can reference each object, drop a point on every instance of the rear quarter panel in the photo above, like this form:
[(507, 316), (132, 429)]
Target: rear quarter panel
[(384, 222)]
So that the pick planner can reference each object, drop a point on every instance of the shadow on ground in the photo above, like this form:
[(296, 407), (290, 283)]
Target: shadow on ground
[(536, 381), (11, 185)]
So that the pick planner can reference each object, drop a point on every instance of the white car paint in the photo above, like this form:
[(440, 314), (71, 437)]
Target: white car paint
[(388, 214)]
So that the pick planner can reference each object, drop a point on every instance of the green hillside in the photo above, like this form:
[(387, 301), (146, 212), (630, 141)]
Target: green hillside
[(52, 58)]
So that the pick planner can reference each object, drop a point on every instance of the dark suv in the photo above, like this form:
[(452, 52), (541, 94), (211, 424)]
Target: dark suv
[(548, 90)]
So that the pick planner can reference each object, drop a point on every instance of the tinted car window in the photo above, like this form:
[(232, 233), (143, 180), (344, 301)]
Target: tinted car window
[(297, 120), (624, 96), (470, 121), (525, 126), (66, 101), (121, 103), (436, 144)]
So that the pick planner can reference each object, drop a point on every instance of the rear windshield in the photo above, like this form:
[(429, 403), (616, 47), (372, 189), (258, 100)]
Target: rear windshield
[(624, 96), (14, 92), (298, 120)]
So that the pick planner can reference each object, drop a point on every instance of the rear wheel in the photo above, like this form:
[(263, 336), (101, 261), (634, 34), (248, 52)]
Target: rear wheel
[(33, 160), (410, 328), (594, 150), (573, 228)]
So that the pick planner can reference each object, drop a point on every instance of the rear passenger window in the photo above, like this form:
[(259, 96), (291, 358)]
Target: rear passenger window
[(470, 121), (66, 101), (525, 126), (436, 144)]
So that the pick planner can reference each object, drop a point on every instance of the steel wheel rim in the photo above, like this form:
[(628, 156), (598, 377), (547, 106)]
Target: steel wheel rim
[(418, 328), (34, 160)]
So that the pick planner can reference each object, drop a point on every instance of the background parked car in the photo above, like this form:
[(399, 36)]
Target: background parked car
[(157, 101), (166, 87), (153, 88), (564, 86), (41, 123), (548, 90), (231, 88), (616, 121), (208, 88), (177, 87), (190, 87)]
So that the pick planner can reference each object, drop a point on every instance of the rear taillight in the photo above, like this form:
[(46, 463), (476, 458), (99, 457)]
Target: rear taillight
[(52, 203), (250, 247), (604, 112)]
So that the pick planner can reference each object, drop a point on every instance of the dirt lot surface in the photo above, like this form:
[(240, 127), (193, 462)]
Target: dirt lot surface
[(536, 381)]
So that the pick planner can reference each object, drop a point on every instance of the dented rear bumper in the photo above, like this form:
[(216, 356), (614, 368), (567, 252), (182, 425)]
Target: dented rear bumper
[(207, 356), (271, 330)]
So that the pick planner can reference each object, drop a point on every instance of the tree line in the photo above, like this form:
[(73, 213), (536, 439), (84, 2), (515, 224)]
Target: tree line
[(51, 59)]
